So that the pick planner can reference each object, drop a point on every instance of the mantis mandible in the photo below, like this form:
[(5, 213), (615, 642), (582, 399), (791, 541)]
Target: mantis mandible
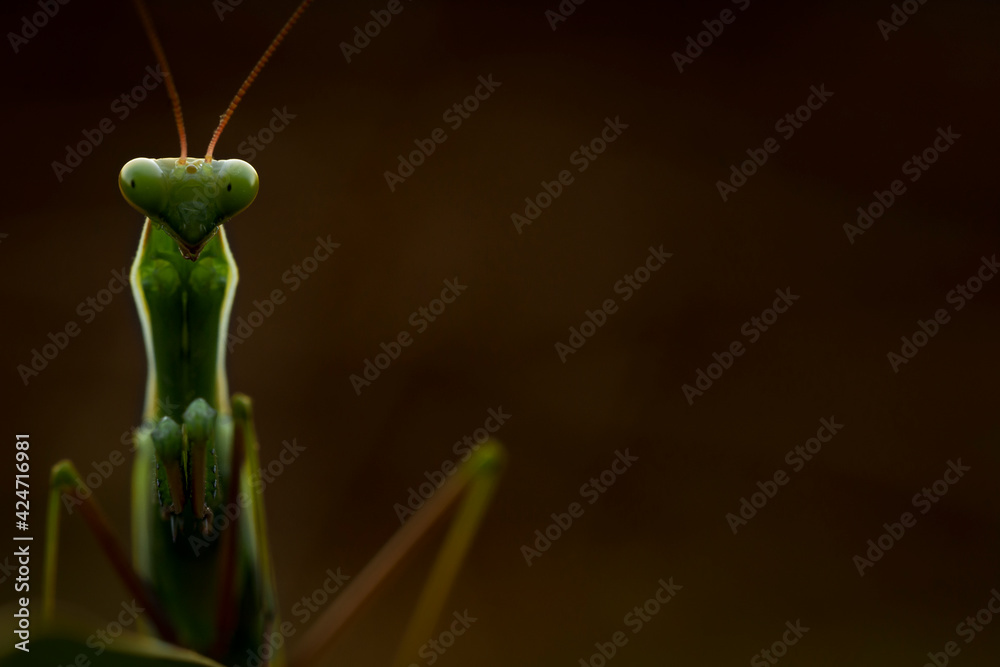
[(197, 450)]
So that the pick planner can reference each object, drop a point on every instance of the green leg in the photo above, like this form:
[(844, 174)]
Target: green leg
[(483, 475), (65, 479), (471, 489), (52, 553), (243, 418), (246, 433), (246, 460)]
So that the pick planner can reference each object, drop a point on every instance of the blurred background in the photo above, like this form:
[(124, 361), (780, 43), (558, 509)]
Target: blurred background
[(323, 175)]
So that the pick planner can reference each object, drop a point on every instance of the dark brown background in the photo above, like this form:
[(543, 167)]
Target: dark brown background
[(655, 185)]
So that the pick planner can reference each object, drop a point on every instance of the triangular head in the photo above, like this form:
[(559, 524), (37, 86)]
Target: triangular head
[(188, 198)]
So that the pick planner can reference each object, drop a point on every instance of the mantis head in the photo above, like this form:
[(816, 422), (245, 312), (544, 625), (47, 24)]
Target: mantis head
[(188, 198)]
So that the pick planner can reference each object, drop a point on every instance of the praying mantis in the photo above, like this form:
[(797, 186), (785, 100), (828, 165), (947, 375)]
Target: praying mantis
[(197, 451)]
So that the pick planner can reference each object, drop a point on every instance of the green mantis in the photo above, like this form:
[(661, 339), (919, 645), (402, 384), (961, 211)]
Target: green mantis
[(196, 454)]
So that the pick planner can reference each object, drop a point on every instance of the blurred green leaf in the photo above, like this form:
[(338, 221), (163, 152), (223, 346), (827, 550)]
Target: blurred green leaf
[(63, 645)]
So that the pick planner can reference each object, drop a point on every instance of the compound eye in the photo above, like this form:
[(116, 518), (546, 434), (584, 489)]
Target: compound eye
[(238, 183), (144, 186)]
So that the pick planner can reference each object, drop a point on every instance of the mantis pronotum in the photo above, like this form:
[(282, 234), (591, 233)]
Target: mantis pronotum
[(198, 450)]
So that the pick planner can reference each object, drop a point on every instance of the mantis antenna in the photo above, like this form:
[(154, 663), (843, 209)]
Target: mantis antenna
[(253, 75), (175, 100)]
